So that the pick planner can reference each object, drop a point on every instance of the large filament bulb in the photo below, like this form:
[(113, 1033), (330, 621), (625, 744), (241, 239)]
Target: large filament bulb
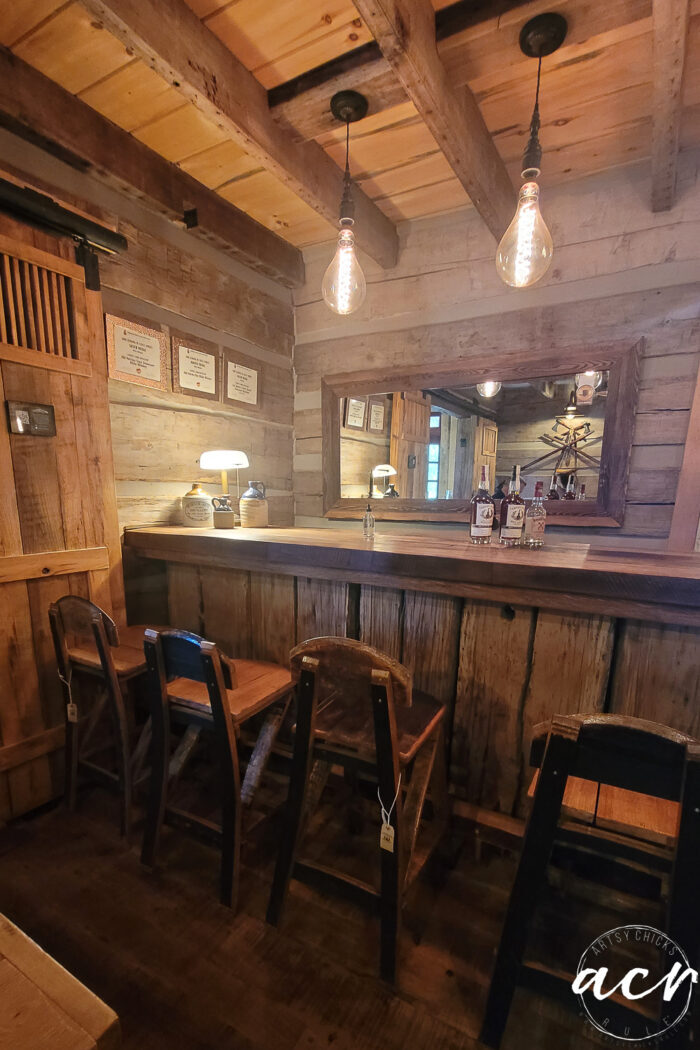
[(344, 285), (525, 251)]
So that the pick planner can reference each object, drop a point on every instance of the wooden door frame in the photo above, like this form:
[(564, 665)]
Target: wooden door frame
[(620, 358)]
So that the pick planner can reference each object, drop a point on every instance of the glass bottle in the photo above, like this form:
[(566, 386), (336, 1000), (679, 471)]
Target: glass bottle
[(535, 518), (553, 491), (482, 511), (512, 513), (368, 524), (570, 488), (582, 492)]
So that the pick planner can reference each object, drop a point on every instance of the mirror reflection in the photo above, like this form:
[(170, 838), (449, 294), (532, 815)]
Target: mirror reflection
[(431, 444)]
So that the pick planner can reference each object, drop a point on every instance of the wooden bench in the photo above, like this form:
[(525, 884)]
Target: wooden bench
[(42, 1007)]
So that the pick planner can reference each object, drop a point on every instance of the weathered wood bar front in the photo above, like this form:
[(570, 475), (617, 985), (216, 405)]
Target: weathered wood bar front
[(506, 637)]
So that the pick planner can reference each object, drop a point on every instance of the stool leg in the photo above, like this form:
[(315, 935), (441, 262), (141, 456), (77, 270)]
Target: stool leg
[(123, 749), (230, 826), (684, 909), (160, 752), (71, 771), (532, 868), (298, 781), (389, 789)]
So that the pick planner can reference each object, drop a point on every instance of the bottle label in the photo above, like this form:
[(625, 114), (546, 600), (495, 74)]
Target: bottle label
[(512, 527), (483, 520), (534, 528)]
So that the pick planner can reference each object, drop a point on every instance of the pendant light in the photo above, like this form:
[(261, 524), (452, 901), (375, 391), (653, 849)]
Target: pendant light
[(344, 287), (488, 389), (525, 252)]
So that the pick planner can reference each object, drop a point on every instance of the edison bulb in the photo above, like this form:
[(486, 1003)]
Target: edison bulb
[(488, 389), (590, 378), (344, 285), (525, 251)]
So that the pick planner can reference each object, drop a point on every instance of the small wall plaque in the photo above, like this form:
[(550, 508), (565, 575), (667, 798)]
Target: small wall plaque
[(243, 380), (136, 353), (195, 367), (27, 418)]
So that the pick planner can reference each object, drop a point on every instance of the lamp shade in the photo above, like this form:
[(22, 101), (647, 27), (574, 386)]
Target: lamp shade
[(223, 459), (383, 470)]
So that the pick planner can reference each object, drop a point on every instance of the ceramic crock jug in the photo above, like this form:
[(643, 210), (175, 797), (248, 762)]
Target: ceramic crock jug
[(253, 506), (196, 508)]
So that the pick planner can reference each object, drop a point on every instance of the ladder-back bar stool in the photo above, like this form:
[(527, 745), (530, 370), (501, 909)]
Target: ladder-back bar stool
[(192, 684), (356, 707), (602, 758), (91, 649)]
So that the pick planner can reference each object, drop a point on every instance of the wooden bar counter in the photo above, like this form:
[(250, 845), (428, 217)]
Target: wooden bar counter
[(506, 637)]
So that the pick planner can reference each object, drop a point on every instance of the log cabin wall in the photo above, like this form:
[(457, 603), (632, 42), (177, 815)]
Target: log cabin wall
[(174, 282), (620, 271)]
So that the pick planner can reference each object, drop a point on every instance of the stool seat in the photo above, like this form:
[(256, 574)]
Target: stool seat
[(128, 657), (341, 723), (258, 684)]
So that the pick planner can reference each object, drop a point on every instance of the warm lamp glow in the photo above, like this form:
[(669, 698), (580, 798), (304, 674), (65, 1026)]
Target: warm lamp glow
[(526, 249), (383, 470), (590, 378), (488, 389), (223, 459), (344, 286)]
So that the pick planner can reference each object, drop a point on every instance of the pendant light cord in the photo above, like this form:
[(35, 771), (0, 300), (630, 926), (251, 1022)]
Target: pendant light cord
[(533, 150), (347, 207)]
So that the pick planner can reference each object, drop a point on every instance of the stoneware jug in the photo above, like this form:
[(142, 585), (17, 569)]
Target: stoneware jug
[(196, 508), (253, 506)]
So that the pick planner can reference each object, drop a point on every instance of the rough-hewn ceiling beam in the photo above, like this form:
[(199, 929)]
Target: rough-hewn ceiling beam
[(474, 37), (171, 38), (36, 108), (670, 35), (405, 32)]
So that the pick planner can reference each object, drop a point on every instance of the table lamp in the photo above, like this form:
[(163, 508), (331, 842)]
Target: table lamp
[(224, 459), (382, 470)]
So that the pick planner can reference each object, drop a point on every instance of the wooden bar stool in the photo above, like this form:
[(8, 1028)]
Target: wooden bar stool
[(194, 685), (90, 648), (356, 708), (618, 755)]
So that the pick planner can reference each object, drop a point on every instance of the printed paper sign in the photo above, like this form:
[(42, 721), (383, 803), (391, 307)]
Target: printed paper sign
[(196, 370), (137, 354), (242, 383)]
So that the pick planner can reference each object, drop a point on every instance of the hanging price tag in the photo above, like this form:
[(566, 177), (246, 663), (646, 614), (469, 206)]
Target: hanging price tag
[(72, 712), (386, 838)]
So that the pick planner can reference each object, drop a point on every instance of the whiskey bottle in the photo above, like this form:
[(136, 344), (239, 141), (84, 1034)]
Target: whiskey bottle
[(535, 518), (553, 492), (582, 492), (512, 513), (570, 488), (482, 511)]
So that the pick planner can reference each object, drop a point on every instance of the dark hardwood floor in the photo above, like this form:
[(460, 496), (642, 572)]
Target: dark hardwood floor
[(183, 974)]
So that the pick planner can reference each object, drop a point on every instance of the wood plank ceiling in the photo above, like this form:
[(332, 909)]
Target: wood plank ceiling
[(597, 95)]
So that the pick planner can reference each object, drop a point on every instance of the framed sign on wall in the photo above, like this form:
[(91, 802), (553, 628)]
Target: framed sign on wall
[(196, 368), (136, 353), (355, 413), (376, 415), (242, 380)]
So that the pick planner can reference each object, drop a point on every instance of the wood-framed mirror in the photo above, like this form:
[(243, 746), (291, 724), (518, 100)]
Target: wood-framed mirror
[(427, 430)]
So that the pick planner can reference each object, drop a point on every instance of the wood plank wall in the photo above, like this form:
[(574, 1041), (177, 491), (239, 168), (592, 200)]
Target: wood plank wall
[(174, 282), (500, 669), (58, 536), (619, 272)]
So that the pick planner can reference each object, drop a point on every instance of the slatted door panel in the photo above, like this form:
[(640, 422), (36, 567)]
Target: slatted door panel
[(58, 522), (42, 309)]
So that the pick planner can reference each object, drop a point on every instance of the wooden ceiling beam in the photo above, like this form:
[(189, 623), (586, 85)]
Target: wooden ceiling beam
[(474, 38), (175, 43), (670, 35), (41, 111), (405, 32)]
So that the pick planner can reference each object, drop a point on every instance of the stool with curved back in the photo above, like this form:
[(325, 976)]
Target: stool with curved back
[(628, 764), (356, 707), (89, 647), (192, 684)]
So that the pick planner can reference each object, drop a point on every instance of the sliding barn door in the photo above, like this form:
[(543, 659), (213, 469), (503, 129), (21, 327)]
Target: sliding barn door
[(58, 518), (410, 436)]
